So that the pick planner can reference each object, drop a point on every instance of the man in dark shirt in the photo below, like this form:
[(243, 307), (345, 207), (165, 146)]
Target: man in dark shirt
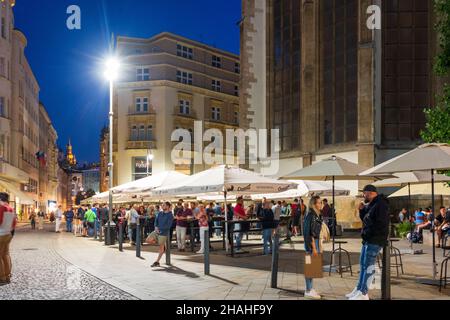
[(69, 219), (442, 224), (375, 232)]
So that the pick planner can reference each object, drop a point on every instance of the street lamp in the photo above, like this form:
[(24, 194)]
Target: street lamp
[(112, 66), (149, 159)]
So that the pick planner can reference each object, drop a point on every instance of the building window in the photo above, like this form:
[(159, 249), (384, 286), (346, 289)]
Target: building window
[(142, 133), (216, 61), (236, 117), (2, 107), (215, 114), (4, 28), (150, 133), (134, 133), (184, 77), (237, 67), (142, 74), (2, 67), (21, 89), (141, 104), (216, 85), (185, 52), (185, 107), (141, 168), (236, 91)]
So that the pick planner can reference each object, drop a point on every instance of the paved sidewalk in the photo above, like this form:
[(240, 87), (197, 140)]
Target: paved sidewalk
[(241, 278)]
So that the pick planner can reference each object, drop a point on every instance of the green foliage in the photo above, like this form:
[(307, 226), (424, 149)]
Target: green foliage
[(442, 63), (437, 128), (404, 228), (84, 195), (438, 118)]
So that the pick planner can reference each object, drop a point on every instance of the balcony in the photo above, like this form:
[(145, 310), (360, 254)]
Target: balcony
[(141, 145)]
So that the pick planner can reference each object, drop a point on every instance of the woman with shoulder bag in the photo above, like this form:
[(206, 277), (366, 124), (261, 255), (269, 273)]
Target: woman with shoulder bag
[(312, 229)]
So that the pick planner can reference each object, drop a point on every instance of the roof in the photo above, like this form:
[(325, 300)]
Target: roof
[(179, 38)]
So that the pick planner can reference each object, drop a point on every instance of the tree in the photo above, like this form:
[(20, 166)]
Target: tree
[(437, 127), (82, 195)]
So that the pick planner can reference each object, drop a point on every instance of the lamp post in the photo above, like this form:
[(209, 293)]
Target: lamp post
[(111, 73)]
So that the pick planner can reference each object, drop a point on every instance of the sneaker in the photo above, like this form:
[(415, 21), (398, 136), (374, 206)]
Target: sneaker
[(238, 251), (200, 252), (312, 294), (155, 264), (351, 294), (360, 296)]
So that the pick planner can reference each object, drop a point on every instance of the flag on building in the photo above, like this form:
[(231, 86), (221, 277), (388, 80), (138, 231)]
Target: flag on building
[(42, 158)]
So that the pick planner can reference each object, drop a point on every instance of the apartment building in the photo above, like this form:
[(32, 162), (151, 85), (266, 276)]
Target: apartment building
[(167, 83)]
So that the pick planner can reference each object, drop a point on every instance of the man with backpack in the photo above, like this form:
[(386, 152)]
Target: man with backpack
[(8, 221)]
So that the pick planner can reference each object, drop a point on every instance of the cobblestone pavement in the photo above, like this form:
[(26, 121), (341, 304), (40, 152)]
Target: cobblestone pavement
[(60, 266), (40, 273)]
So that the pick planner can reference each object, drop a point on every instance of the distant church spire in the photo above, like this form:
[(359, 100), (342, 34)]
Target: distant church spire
[(70, 157)]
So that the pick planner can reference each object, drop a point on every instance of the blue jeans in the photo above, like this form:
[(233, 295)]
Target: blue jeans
[(69, 226), (309, 281), (367, 262), (238, 236), (267, 240)]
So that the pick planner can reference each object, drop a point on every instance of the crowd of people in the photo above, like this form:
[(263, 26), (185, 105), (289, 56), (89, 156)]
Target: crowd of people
[(422, 220), (194, 220)]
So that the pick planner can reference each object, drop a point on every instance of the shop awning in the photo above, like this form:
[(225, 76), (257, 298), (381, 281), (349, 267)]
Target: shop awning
[(23, 198)]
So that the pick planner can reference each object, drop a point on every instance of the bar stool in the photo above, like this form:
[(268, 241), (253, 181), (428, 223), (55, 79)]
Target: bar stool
[(394, 253), (443, 276), (444, 243), (341, 268), (397, 255)]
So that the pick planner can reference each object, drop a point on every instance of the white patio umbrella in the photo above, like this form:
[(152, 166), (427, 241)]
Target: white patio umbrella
[(145, 185), (333, 168), (406, 179), (226, 180), (305, 188), (441, 189), (429, 156)]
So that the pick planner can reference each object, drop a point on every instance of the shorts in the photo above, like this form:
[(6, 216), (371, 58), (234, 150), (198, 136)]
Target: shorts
[(162, 240)]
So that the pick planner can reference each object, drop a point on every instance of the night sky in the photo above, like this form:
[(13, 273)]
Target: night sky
[(67, 63)]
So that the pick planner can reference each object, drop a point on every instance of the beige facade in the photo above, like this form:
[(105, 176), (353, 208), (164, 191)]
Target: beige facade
[(48, 172), (168, 82), (21, 134)]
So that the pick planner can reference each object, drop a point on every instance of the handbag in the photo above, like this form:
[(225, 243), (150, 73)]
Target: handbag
[(313, 266), (325, 233)]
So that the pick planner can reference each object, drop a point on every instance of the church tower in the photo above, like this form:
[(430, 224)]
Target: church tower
[(70, 157)]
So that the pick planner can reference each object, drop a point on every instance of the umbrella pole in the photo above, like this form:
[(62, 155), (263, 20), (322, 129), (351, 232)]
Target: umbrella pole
[(334, 218), (410, 215), (226, 220), (432, 224)]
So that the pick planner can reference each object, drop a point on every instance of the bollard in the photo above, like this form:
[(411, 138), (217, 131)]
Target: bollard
[(121, 236), (95, 229), (275, 245), (138, 238), (206, 253), (386, 274), (168, 249), (101, 231), (192, 237)]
